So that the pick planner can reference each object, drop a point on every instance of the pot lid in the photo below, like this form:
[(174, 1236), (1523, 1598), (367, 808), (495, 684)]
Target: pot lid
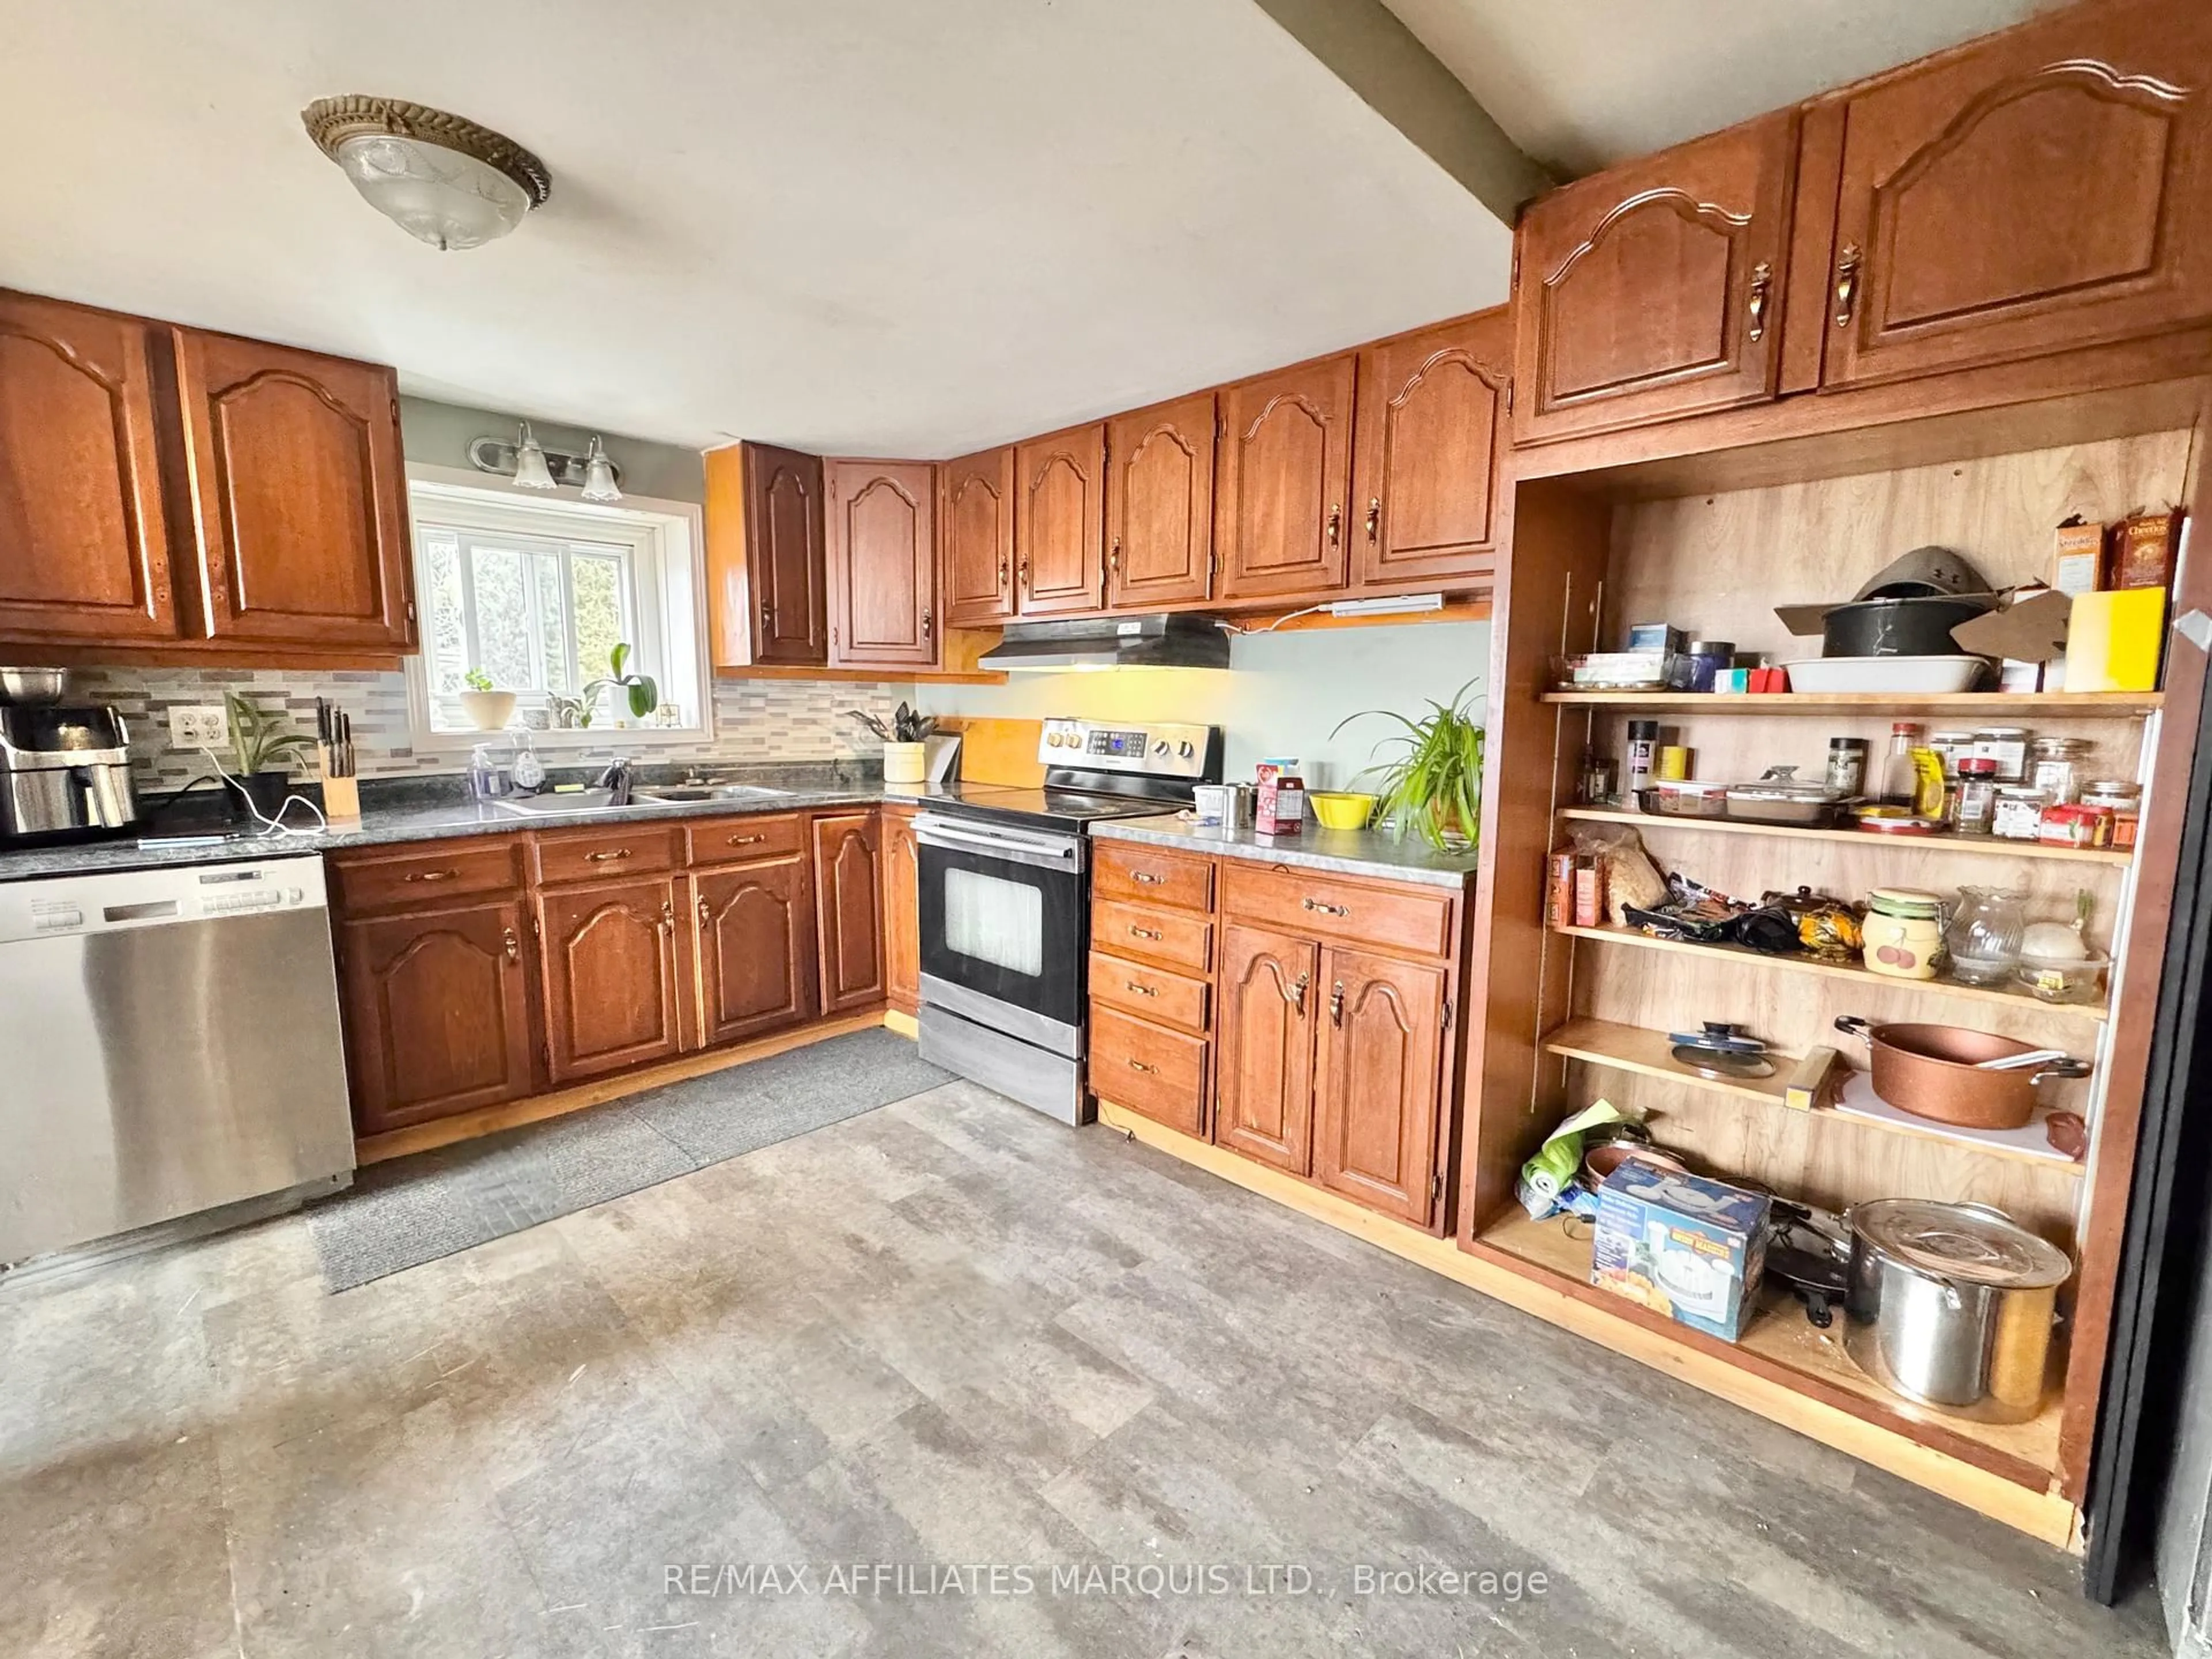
[(1782, 783), (1963, 1242), (1906, 902)]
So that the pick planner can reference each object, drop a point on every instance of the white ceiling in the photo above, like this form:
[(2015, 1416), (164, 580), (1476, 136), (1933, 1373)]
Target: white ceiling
[(891, 227), (1580, 84)]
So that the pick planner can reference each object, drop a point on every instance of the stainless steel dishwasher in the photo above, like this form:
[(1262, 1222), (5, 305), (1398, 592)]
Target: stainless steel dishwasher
[(169, 1044)]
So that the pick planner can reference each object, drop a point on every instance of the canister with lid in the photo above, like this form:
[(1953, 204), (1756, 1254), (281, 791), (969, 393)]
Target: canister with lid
[(2055, 764), (2008, 746), (2125, 799), (2019, 813), (1847, 761), (1904, 932), (1974, 802)]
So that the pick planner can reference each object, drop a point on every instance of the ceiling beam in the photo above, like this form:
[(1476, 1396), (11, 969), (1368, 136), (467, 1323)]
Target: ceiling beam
[(1364, 45)]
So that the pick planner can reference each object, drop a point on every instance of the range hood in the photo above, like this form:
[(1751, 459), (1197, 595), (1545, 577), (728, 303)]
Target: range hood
[(1182, 640)]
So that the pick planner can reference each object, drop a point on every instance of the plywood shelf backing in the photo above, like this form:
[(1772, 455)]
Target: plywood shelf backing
[(1980, 846)]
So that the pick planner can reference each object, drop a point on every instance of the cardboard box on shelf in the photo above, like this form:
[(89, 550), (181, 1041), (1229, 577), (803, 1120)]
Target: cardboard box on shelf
[(1682, 1245)]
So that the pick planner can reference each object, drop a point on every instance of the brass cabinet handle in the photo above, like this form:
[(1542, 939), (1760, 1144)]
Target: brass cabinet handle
[(928, 621), (606, 857), (768, 614), (1142, 990), (1002, 570), (1847, 283), (1139, 1066), (1327, 909), (706, 916), (1298, 997), (1762, 279), (513, 944), (1114, 559), (1335, 523), (1024, 569), (1146, 877), (432, 875), (1374, 516), (745, 840), (1143, 932), (1336, 1004), (667, 915)]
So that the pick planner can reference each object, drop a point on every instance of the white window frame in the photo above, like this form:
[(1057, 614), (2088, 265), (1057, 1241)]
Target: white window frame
[(668, 599)]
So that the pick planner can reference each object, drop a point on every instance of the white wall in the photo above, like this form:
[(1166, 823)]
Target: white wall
[(1282, 695)]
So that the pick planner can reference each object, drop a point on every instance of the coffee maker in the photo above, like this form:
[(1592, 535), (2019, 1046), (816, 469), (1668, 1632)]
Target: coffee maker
[(65, 771)]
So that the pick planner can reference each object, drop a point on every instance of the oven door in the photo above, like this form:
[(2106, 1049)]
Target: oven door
[(1004, 924)]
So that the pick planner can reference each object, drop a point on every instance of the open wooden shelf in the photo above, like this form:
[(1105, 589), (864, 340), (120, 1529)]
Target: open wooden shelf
[(1645, 1053), (2093, 704), (1806, 965), (1998, 846), (1780, 1337)]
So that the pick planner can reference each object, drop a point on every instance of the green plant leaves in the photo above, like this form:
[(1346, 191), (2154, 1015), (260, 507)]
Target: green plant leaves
[(1437, 783)]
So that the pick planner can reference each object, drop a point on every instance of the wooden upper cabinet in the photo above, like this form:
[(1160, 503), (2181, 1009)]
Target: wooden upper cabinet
[(883, 563), (756, 947), (615, 974), (767, 574), (1264, 1097), (1159, 505), (2047, 188), (84, 549), (1429, 437), (1281, 524), (1060, 521), (1380, 1093), (1654, 289), (975, 523), (299, 496), (849, 903)]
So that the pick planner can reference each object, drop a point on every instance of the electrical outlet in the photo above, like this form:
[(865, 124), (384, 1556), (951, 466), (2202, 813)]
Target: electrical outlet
[(197, 725)]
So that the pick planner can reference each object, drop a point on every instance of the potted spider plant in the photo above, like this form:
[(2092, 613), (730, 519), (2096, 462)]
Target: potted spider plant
[(488, 708), (640, 690), (264, 743), (905, 752), (1436, 784)]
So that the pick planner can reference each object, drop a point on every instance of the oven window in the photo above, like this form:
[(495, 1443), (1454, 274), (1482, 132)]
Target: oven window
[(995, 920)]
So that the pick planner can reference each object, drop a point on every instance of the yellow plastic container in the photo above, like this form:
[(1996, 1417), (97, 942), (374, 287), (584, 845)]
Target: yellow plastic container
[(1340, 809), (2113, 639)]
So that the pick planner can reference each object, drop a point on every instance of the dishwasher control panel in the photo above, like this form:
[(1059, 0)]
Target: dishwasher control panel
[(65, 906)]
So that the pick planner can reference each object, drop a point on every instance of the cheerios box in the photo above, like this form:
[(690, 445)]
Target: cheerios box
[(1681, 1245)]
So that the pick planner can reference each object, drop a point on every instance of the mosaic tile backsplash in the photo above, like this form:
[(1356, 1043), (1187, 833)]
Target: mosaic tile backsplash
[(754, 719)]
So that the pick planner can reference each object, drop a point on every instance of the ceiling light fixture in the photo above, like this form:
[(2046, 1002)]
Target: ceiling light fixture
[(525, 461), (530, 469), (599, 474), (443, 180)]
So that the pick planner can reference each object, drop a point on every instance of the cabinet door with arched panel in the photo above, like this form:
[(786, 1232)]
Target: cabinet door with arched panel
[(883, 563), (1381, 1087), (756, 948), (1429, 444), (1263, 1104), (299, 496), (1159, 505), (615, 975), (975, 521), (1280, 524), (1059, 522), (1654, 289)]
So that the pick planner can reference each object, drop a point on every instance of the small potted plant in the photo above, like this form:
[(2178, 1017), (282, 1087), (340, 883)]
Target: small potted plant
[(1435, 786), (489, 709), (643, 695), (905, 752), (266, 746)]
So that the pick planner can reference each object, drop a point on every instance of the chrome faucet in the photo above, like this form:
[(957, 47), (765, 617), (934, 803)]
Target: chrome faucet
[(616, 781)]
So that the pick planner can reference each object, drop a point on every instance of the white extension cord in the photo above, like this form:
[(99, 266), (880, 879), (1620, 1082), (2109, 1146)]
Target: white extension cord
[(269, 826)]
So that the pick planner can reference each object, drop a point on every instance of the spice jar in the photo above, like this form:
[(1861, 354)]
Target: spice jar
[(2055, 766), (1674, 763), (1903, 933), (2125, 799), (1974, 803), (2008, 746), (1953, 745), (1599, 779), (2019, 813), (1847, 759)]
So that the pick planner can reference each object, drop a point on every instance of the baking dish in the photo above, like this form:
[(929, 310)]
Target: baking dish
[(1781, 798)]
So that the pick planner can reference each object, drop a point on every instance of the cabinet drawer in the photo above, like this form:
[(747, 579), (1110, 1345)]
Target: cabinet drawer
[(597, 855), (1395, 918), (1159, 1072), (1149, 993), (419, 877), (741, 841), (1119, 870), (1169, 937)]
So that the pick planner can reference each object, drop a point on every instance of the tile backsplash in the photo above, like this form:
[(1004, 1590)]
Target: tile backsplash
[(755, 719)]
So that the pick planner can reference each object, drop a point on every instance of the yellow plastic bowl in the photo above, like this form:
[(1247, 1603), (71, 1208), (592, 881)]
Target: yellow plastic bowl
[(1339, 809)]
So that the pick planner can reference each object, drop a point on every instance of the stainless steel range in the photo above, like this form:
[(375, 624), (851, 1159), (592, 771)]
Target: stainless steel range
[(1005, 903)]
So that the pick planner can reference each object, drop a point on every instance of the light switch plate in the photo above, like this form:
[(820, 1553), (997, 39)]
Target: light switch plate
[(197, 725)]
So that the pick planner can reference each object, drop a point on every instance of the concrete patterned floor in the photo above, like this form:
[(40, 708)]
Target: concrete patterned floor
[(949, 1333)]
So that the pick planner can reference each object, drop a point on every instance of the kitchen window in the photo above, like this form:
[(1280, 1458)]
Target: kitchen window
[(536, 593)]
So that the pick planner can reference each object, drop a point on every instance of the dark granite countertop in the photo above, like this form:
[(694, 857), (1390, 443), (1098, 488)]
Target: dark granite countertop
[(437, 810), (1340, 852)]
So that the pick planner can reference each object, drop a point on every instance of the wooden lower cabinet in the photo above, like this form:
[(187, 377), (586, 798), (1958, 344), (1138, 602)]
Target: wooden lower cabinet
[(613, 967), (756, 949), (1379, 1086), (848, 896), (438, 1012), (901, 913), (1263, 1102)]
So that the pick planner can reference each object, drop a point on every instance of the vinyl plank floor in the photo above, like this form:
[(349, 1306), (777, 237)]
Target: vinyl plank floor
[(807, 1401)]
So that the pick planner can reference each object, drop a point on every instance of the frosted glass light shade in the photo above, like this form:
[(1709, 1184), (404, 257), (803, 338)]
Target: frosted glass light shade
[(530, 469), (435, 195), (599, 475)]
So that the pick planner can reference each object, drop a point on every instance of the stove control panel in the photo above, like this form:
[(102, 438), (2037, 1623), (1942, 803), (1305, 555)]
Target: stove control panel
[(1160, 748)]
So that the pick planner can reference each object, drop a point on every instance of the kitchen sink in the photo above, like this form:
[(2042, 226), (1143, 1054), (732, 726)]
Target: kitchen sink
[(695, 792), (535, 806)]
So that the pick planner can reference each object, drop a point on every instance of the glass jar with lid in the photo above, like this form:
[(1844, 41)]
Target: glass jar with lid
[(1902, 934), (2056, 765), (2126, 799), (2008, 746), (2018, 814), (1983, 935), (1974, 803)]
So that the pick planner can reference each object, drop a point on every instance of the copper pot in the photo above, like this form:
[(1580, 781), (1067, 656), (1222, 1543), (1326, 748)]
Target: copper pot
[(1936, 1072)]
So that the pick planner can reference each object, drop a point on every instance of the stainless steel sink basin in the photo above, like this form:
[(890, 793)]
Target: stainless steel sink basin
[(538, 806), (696, 792)]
